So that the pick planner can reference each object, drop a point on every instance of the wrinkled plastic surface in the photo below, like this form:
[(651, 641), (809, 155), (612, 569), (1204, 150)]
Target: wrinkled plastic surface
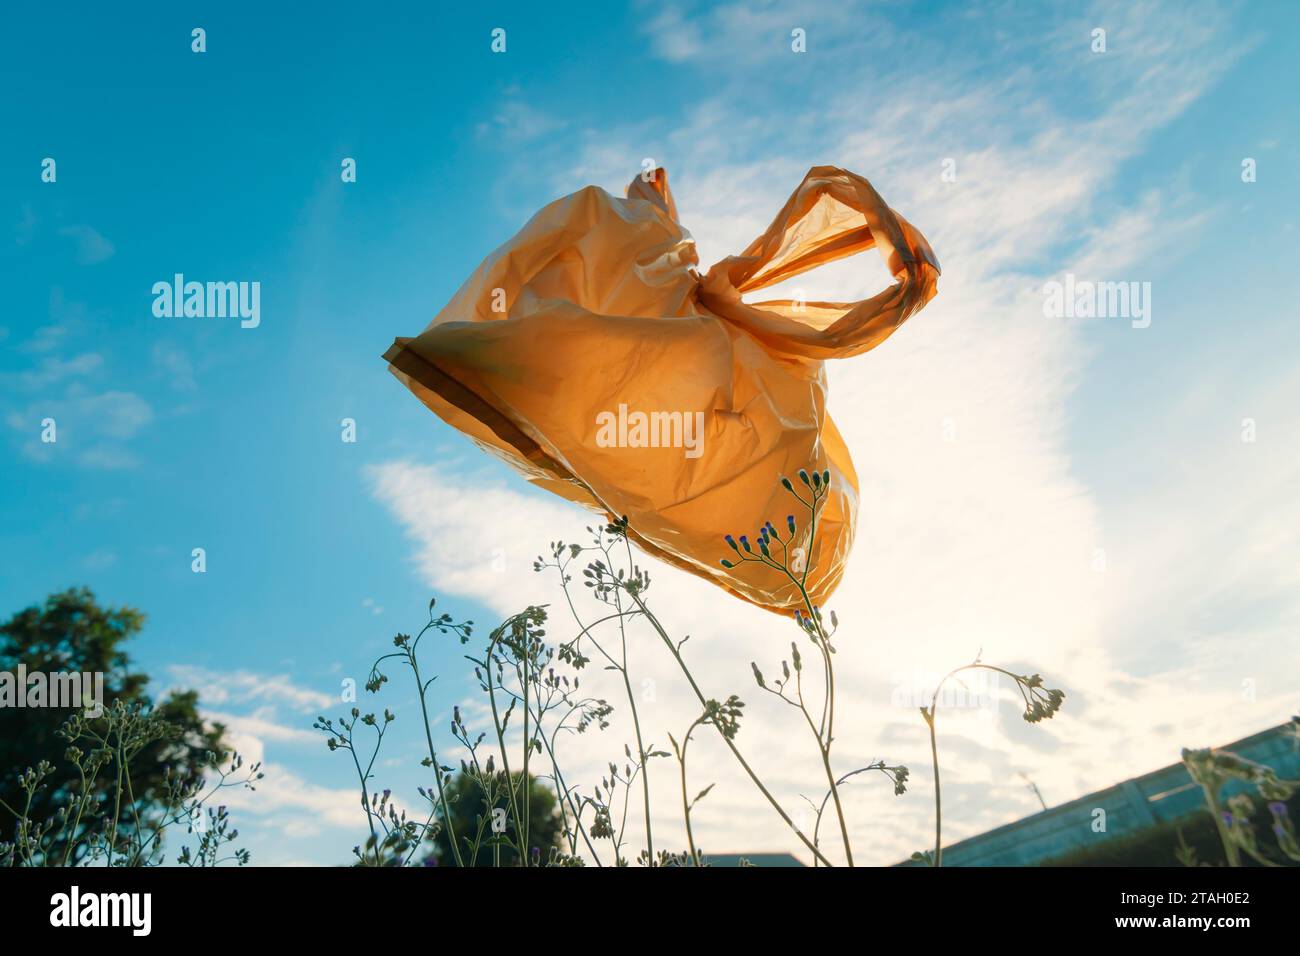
[(596, 303)]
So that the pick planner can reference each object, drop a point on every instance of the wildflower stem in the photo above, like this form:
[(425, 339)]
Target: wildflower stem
[(135, 811), (496, 723), (566, 795), (621, 667), (365, 796), (433, 757), (825, 731), (938, 802), (824, 743), (627, 799), (835, 795), (672, 648), (524, 851), (686, 802), (117, 797), (686, 806), (81, 806), (636, 721), (934, 744)]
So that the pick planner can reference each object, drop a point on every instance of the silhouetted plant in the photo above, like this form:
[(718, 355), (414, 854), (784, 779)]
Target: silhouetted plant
[(533, 699), (1040, 704), (1212, 770), (87, 826), (71, 632)]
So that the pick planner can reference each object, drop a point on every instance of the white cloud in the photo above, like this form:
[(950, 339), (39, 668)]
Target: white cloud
[(673, 37), (100, 560), (285, 801), (92, 248), (288, 814), (221, 688), (47, 337), (486, 565), (92, 427), (747, 34), (174, 363), (25, 228), (262, 725), (518, 121), (92, 424), (52, 370)]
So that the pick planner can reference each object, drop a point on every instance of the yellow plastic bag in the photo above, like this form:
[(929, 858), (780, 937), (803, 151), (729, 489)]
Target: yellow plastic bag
[(591, 355)]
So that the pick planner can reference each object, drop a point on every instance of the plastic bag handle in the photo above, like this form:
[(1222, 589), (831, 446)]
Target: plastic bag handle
[(825, 329)]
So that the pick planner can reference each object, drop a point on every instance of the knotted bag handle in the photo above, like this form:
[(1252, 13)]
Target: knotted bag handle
[(823, 330)]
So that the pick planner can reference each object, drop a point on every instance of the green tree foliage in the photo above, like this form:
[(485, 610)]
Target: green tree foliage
[(71, 632), (470, 811)]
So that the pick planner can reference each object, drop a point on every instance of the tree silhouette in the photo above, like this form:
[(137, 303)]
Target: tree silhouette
[(468, 808), (73, 633)]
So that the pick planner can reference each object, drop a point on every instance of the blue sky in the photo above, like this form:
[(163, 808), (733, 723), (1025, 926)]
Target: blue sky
[(1072, 436)]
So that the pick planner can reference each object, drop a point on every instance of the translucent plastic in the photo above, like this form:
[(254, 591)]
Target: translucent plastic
[(590, 354)]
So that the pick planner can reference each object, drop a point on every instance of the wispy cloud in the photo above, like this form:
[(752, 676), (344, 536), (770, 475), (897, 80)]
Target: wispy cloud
[(91, 427), (517, 121), (54, 370), (58, 408), (266, 720), (174, 364), (727, 35), (219, 688), (25, 227), (91, 247), (46, 338)]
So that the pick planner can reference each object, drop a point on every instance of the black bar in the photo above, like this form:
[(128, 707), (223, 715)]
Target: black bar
[(978, 906)]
